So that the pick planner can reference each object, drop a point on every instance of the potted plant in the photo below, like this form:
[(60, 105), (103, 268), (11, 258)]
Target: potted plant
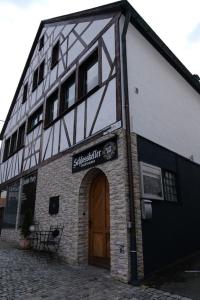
[(25, 229)]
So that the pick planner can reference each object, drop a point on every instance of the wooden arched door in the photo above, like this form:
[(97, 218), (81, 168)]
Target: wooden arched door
[(99, 222)]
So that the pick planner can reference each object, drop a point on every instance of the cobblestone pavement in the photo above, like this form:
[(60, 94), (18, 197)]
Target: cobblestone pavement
[(36, 276)]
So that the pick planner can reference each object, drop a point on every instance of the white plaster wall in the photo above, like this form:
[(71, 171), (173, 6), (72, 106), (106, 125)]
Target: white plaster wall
[(54, 139), (166, 108)]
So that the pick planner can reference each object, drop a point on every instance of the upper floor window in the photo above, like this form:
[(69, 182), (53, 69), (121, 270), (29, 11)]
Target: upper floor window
[(41, 42), (25, 93), (41, 73), (21, 135), (68, 93), (38, 76), (89, 74), (6, 149), (35, 79), (51, 108), (55, 54), (35, 119), (13, 143)]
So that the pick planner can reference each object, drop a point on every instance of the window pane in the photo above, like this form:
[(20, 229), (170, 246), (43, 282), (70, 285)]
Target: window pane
[(70, 95), (28, 196), (41, 43), (25, 92), (10, 213), (21, 134), (35, 118), (53, 110), (35, 80), (6, 149), (169, 181), (41, 73), (55, 54), (92, 77), (13, 145), (152, 185)]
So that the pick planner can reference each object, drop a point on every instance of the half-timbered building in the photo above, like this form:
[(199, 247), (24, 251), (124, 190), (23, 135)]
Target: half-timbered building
[(102, 137)]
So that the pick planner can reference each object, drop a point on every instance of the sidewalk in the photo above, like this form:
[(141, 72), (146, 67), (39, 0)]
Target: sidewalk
[(28, 275)]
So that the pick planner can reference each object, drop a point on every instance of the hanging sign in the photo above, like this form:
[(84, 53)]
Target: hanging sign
[(95, 155)]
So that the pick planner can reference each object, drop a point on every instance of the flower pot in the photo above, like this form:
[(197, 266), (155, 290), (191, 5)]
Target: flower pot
[(24, 244)]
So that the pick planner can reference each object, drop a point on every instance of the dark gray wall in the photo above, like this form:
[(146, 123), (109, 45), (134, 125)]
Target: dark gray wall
[(174, 230)]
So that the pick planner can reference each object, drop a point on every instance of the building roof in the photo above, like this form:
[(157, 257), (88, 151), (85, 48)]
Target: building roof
[(139, 23)]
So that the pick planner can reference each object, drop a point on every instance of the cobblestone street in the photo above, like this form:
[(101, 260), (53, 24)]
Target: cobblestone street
[(36, 276)]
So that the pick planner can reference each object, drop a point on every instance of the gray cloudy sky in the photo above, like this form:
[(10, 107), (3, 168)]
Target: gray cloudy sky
[(176, 22)]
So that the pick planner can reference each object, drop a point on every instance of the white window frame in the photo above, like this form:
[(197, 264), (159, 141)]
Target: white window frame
[(152, 171)]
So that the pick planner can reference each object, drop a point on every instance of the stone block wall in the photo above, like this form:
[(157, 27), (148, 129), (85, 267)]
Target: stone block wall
[(55, 178)]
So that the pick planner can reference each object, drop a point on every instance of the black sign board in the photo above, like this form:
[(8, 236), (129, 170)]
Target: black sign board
[(95, 155), (53, 205)]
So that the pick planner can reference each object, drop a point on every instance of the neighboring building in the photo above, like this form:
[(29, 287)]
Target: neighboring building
[(104, 124)]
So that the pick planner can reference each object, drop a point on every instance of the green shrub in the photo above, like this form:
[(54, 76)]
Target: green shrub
[(27, 222)]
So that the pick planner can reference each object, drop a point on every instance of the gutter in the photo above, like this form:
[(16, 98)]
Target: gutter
[(133, 248)]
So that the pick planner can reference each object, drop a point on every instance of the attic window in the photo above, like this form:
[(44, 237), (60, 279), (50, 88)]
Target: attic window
[(25, 93), (55, 54), (35, 80), (38, 76), (41, 42), (41, 73)]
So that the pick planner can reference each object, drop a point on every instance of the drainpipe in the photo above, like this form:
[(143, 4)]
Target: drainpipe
[(133, 248)]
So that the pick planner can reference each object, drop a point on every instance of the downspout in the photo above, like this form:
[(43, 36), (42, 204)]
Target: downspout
[(133, 248)]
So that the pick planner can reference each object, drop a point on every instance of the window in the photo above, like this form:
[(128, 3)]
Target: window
[(21, 135), (10, 213), (35, 80), (170, 186), (51, 108), (41, 43), (55, 54), (13, 143), (28, 196), (41, 73), (35, 119), (68, 93), (151, 181), (25, 93), (6, 149), (38, 76), (89, 74)]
